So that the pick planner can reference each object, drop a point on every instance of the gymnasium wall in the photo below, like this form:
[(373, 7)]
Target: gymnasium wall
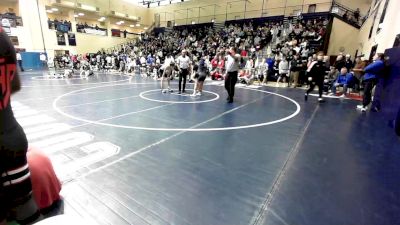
[(82, 40), (344, 38), (4, 6), (386, 36), (31, 38), (202, 11), (363, 5)]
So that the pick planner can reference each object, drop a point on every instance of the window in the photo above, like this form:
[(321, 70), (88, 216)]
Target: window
[(373, 23), (71, 39), (373, 52), (382, 16), (60, 38), (312, 8)]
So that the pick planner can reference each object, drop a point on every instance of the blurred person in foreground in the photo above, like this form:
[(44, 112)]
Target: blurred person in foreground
[(16, 200)]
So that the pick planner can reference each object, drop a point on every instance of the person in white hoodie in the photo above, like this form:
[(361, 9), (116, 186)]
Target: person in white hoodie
[(283, 71)]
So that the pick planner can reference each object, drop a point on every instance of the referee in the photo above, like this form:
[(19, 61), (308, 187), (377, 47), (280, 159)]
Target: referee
[(231, 77), (183, 65)]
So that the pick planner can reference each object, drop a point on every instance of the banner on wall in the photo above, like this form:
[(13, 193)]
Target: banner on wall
[(60, 38), (96, 32), (115, 33), (14, 40), (71, 39)]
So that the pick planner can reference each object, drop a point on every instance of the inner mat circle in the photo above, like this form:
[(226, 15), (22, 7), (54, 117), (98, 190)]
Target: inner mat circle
[(187, 98)]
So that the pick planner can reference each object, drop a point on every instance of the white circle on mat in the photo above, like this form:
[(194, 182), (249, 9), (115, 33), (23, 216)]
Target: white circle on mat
[(143, 96), (295, 113)]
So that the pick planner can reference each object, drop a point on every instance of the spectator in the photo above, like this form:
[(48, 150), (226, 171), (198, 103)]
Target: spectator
[(345, 16), (343, 80), (43, 60), (49, 23), (271, 63), (357, 15), (359, 67), (340, 63), (295, 67), (326, 61), (371, 78), (283, 71), (19, 60), (348, 62)]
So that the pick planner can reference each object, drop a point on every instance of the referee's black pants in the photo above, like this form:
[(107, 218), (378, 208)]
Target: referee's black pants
[(183, 74), (230, 82), (320, 85)]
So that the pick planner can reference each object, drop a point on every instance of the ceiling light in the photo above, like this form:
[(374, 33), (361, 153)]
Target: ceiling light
[(68, 3), (132, 25), (54, 9), (138, 25), (145, 28), (75, 15), (49, 11), (88, 7), (213, 21), (162, 3), (193, 22), (121, 21), (81, 14)]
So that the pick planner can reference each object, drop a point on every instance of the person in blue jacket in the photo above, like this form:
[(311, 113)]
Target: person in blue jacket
[(343, 80), (373, 74), (270, 62)]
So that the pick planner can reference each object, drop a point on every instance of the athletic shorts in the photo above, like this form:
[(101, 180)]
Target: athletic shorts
[(15, 182), (202, 78), (283, 75)]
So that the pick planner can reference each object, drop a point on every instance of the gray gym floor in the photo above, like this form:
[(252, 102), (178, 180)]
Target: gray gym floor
[(129, 154)]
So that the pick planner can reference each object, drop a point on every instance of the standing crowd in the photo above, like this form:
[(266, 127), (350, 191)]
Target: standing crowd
[(288, 54)]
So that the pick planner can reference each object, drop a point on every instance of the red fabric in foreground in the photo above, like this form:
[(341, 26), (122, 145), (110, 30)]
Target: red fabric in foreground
[(45, 184), (353, 96)]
